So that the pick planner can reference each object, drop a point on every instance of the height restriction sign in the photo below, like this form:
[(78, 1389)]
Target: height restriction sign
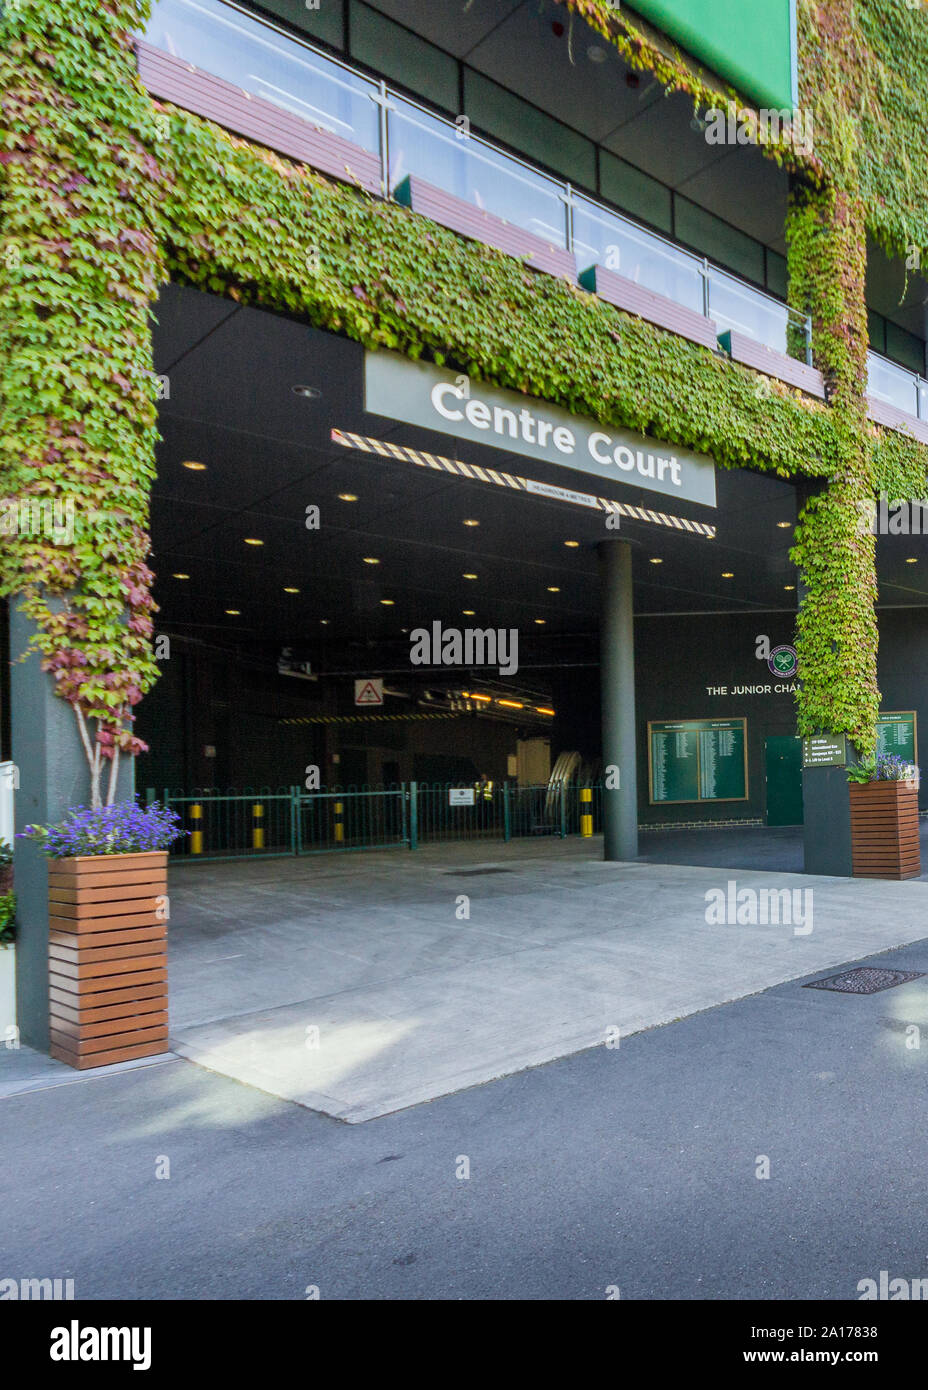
[(368, 692)]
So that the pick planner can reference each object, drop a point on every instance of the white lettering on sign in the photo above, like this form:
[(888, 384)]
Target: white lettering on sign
[(629, 460), (506, 424), (430, 397), (789, 688), (564, 494), (524, 424)]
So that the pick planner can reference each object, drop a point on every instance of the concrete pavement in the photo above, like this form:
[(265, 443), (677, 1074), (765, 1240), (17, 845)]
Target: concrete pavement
[(638, 1168), (356, 986)]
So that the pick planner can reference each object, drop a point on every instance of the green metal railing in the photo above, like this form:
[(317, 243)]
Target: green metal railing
[(263, 823)]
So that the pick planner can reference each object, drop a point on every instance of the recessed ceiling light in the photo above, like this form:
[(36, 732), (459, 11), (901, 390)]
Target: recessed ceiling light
[(324, 622), (234, 612), (471, 522), (656, 560), (541, 621), (310, 393), (180, 576), (572, 544), (789, 587), (468, 576), (290, 591), (193, 466), (912, 560), (347, 497), (727, 574), (387, 602), (553, 589), (253, 540), (596, 54), (784, 525), (371, 560), (468, 612)]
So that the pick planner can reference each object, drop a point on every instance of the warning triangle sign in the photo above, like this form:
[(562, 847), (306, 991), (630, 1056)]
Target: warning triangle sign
[(368, 692)]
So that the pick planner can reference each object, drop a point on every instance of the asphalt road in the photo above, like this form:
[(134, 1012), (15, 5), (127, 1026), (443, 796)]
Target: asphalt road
[(633, 1167)]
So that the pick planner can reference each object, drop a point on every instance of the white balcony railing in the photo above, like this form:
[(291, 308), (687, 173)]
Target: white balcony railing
[(896, 386), (258, 57)]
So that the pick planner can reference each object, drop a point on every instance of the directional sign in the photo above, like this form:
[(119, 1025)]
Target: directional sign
[(368, 692), (824, 750)]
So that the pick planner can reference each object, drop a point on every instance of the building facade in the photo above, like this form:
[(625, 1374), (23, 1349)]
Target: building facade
[(545, 375)]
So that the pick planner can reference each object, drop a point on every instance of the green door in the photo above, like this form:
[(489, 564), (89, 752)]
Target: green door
[(784, 780)]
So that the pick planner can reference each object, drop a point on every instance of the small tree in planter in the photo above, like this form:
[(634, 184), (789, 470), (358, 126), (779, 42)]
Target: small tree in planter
[(108, 914), (884, 818)]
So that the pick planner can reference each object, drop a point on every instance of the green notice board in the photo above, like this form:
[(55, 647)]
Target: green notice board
[(697, 760), (898, 733)]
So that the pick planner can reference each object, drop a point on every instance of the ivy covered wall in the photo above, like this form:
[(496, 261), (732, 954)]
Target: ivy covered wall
[(104, 190), (80, 263)]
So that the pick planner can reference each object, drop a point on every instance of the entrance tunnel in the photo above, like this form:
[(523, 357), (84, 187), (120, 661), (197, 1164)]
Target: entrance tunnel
[(374, 575)]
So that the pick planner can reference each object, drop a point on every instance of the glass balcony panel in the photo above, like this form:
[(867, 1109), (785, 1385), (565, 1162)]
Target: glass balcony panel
[(603, 238), (891, 384), (222, 41), (434, 150), (923, 400), (734, 305)]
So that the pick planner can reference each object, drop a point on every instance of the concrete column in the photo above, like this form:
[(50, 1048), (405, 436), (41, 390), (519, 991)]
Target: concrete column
[(52, 777), (617, 669)]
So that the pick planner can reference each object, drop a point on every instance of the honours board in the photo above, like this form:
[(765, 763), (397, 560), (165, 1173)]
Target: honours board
[(697, 760), (897, 733)]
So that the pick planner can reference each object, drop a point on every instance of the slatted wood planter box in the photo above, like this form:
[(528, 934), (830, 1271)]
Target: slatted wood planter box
[(473, 222), (884, 830), (107, 957), (646, 304)]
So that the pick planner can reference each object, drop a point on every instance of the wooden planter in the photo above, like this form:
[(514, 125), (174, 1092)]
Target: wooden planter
[(107, 957), (884, 830)]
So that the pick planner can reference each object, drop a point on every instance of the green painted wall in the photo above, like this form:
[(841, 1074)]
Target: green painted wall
[(749, 45)]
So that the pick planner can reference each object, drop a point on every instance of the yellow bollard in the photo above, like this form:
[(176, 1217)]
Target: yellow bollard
[(586, 817), (257, 831), (196, 834), (339, 825)]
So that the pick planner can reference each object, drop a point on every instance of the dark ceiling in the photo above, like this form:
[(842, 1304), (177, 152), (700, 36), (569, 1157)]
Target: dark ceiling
[(269, 456)]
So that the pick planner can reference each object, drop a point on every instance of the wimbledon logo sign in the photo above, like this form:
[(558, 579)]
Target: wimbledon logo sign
[(782, 661)]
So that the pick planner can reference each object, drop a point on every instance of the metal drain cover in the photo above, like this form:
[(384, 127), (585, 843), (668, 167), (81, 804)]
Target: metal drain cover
[(865, 979), (469, 873)]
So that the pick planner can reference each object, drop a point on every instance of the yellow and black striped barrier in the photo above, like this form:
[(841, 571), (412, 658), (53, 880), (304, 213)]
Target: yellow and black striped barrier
[(339, 822), (474, 472), (367, 718), (196, 830), (257, 826), (586, 811)]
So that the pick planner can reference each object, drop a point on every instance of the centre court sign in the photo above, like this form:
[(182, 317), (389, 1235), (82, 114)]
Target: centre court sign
[(435, 399)]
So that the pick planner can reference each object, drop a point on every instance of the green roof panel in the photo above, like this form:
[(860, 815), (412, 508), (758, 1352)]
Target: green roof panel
[(751, 46)]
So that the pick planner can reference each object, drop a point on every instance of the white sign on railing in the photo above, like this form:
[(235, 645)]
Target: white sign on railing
[(9, 780)]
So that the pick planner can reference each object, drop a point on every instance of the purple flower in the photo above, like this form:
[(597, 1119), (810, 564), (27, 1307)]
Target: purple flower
[(891, 768), (124, 828)]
